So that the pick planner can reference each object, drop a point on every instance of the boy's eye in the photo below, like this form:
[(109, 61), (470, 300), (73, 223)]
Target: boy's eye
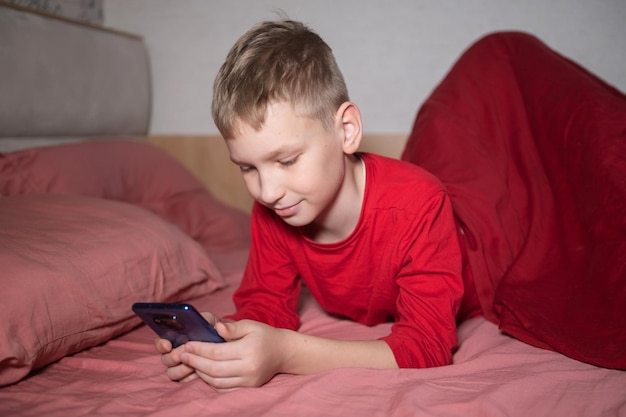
[(245, 169), (288, 162)]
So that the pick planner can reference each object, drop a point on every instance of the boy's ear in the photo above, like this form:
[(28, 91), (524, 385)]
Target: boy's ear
[(349, 120)]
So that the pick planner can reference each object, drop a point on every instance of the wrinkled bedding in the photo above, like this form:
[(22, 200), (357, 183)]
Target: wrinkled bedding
[(492, 375)]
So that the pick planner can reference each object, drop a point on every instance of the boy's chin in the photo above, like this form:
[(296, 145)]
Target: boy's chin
[(297, 221)]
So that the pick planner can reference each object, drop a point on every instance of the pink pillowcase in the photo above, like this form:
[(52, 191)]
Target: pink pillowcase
[(130, 171), (72, 266)]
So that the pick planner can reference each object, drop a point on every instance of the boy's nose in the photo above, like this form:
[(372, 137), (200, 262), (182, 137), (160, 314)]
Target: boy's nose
[(271, 189)]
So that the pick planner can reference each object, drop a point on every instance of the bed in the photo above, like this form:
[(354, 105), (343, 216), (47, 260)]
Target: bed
[(94, 216)]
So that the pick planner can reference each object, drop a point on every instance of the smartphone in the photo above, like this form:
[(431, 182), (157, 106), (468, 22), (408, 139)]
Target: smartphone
[(178, 323)]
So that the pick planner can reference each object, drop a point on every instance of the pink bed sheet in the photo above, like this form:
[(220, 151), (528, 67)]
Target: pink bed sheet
[(492, 375)]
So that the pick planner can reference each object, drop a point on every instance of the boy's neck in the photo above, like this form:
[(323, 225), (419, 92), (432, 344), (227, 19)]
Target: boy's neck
[(342, 218)]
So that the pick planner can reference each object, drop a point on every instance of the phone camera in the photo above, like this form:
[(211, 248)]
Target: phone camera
[(168, 321)]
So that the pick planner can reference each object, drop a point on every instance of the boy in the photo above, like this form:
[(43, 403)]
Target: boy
[(374, 239)]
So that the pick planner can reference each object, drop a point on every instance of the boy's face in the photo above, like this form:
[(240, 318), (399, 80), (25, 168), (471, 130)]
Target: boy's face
[(292, 165)]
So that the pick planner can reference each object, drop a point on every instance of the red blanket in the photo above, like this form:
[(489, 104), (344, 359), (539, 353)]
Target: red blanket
[(532, 148)]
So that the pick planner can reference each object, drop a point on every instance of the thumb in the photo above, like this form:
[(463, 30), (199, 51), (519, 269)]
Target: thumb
[(232, 330)]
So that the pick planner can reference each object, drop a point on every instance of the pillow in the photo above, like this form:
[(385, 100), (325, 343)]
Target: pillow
[(130, 171), (532, 148), (71, 268)]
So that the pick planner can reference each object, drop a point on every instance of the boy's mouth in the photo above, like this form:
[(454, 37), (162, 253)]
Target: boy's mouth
[(286, 211)]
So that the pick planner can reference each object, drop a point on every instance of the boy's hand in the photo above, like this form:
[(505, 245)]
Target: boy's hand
[(253, 354), (176, 370)]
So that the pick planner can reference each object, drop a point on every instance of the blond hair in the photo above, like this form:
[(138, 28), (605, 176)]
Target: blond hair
[(277, 61)]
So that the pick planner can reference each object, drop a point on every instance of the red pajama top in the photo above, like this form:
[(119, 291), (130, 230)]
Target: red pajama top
[(402, 263)]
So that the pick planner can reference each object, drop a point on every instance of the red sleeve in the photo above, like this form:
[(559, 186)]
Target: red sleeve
[(430, 288), (270, 286)]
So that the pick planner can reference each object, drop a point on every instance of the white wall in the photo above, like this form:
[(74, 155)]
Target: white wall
[(392, 53)]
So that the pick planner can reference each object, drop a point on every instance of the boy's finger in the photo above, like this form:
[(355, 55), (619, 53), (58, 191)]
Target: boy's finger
[(163, 345), (234, 330), (182, 373)]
